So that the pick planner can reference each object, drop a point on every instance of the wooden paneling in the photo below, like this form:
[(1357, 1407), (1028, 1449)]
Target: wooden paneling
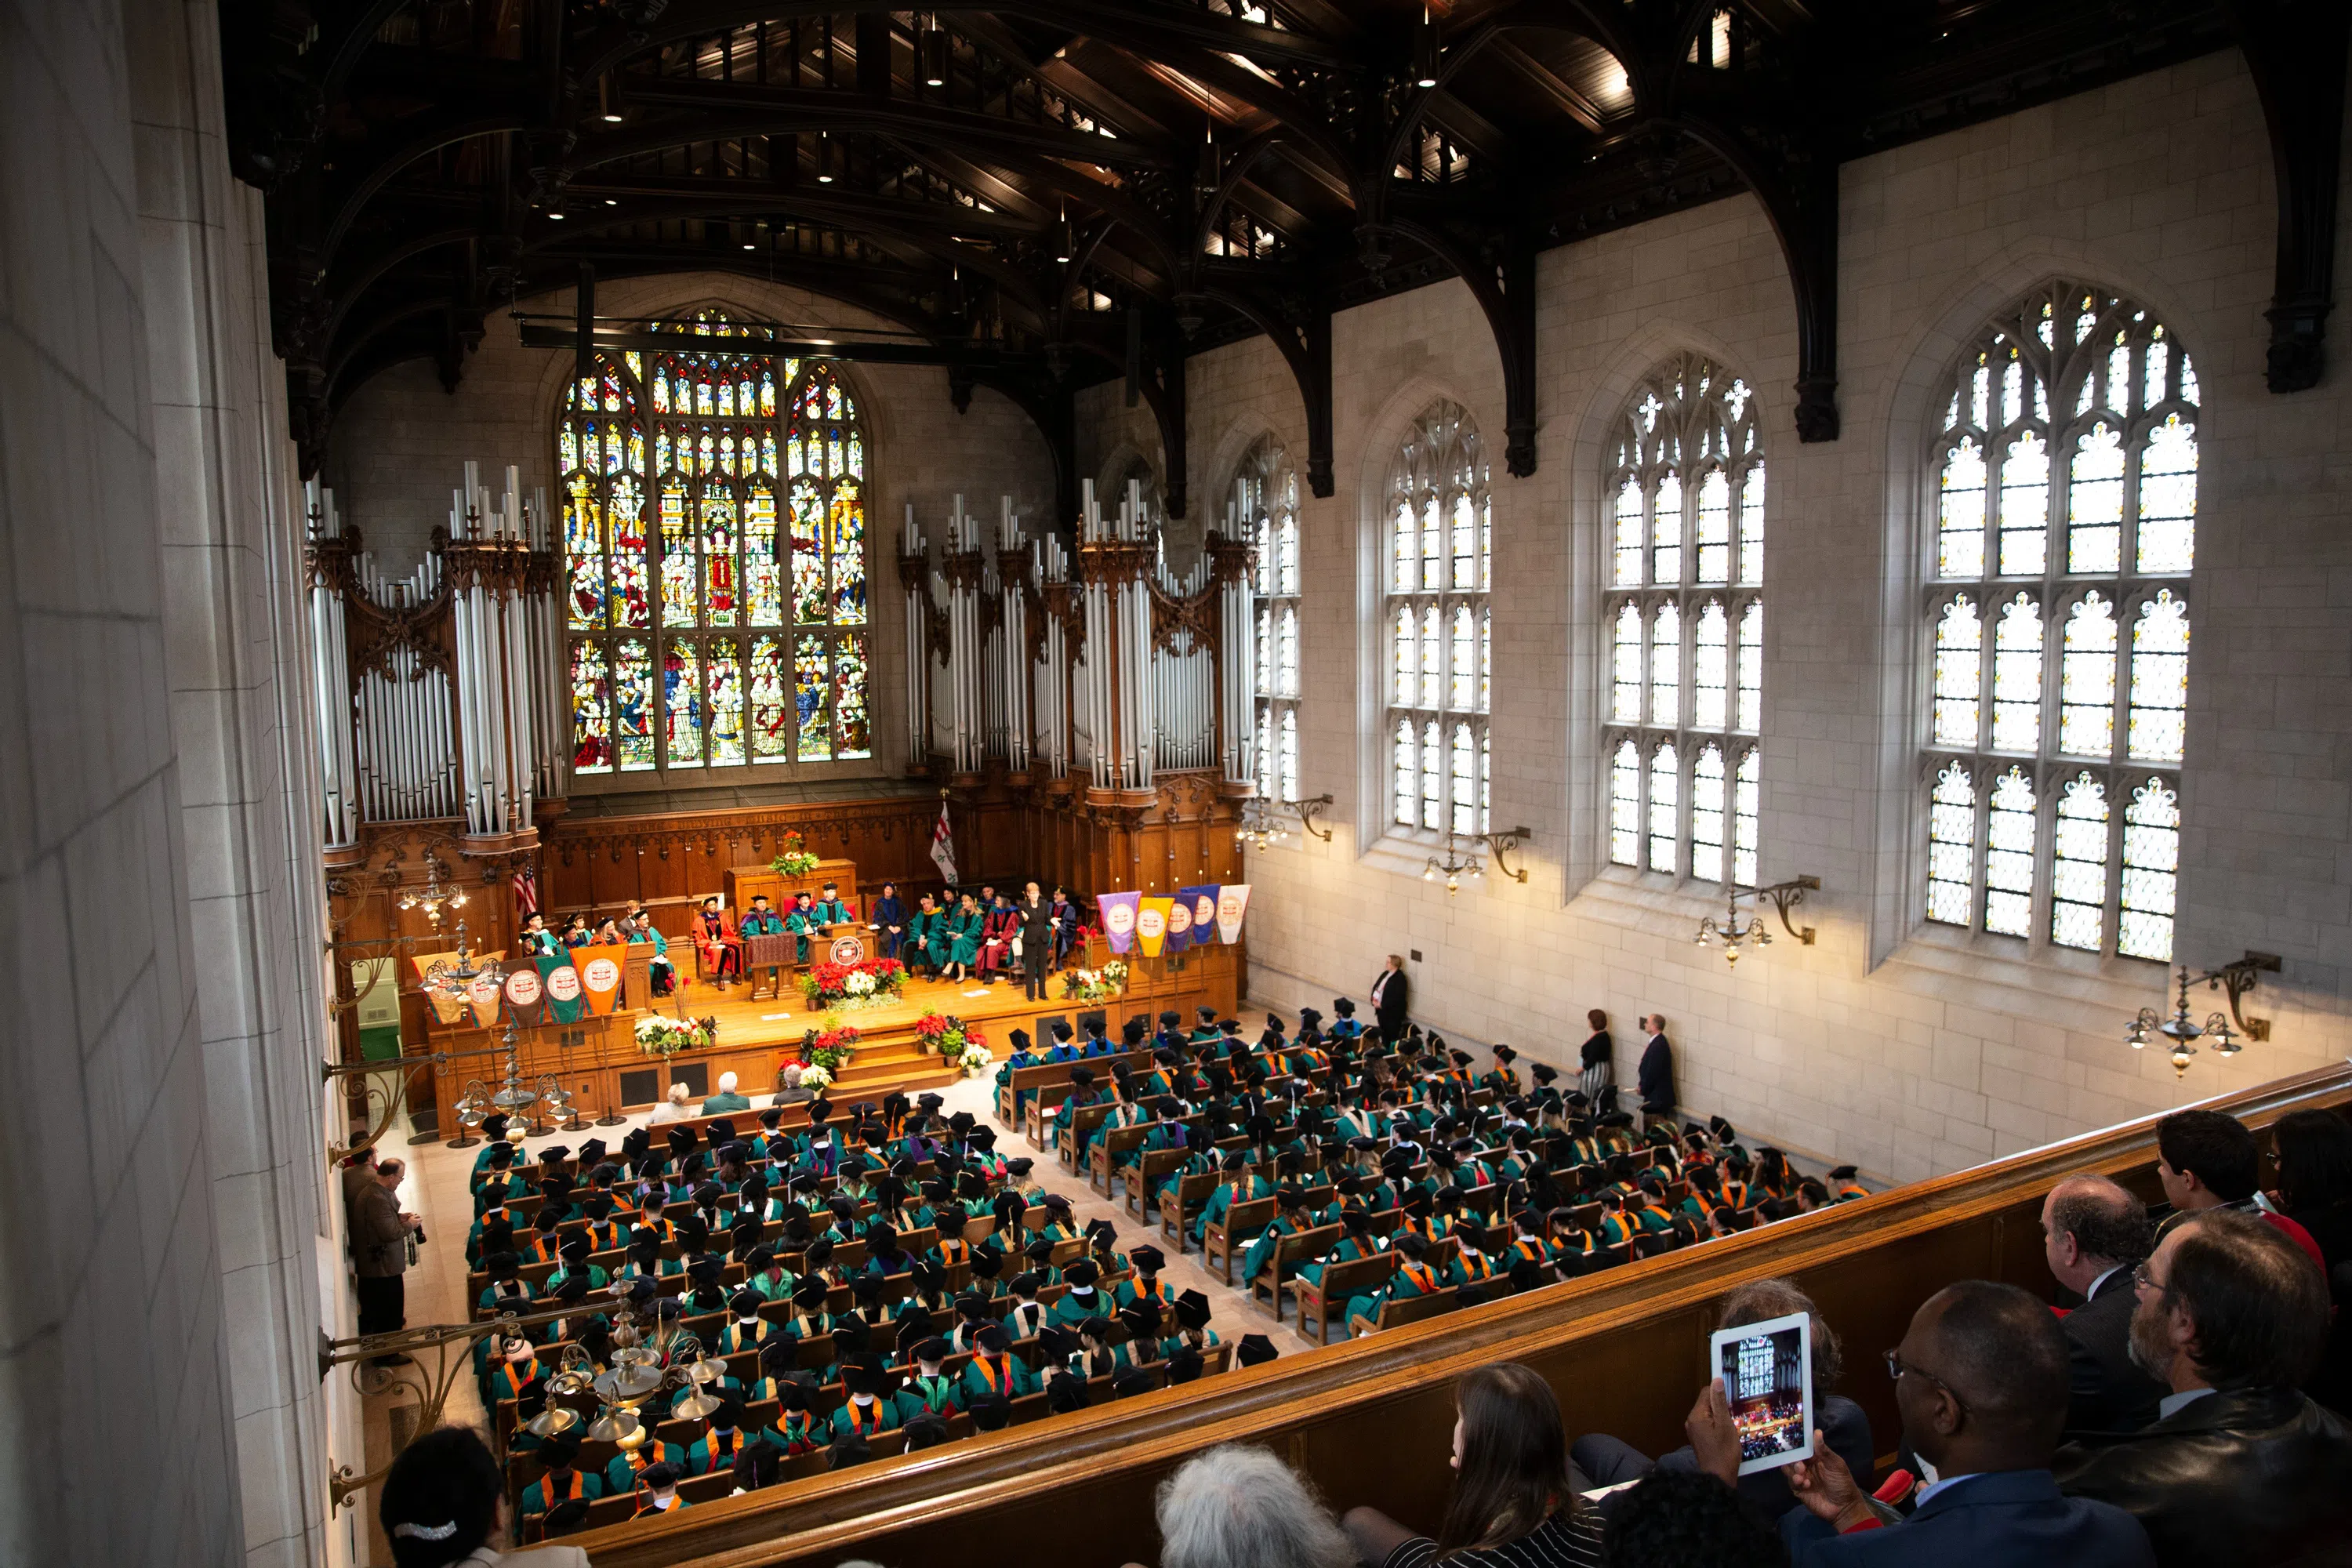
[(1367, 1421)]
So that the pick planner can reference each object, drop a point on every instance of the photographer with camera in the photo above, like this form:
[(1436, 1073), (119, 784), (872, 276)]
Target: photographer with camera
[(383, 1244)]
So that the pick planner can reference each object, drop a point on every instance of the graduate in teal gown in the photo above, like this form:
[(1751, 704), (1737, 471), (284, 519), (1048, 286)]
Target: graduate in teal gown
[(1193, 1330), (563, 1479), (1241, 1186), (1289, 1219), (802, 923), (1413, 1277), (994, 1369), (1355, 1243)]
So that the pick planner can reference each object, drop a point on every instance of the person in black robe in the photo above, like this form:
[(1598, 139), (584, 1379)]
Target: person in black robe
[(1389, 999), (890, 922)]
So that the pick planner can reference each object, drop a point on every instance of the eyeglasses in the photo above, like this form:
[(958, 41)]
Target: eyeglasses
[(2143, 1280), (1897, 1367)]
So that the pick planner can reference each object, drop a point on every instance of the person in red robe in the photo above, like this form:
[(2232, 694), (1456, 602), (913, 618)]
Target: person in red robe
[(996, 933)]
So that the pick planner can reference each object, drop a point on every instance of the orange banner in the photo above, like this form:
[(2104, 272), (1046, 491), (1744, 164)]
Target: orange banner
[(1152, 925), (446, 998), (599, 975)]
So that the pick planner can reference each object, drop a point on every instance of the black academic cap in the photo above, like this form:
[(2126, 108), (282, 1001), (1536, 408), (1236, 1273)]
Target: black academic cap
[(1171, 1018), (728, 1415), (1185, 1366), (1141, 1320), (574, 1290), (1020, 1165), (1256, 1349), (1147, 1260), (745, 1303), (987, 1262), (1192, 1310), (1081, 1274), (809, 1292), (1037, 1251), (1132, 1382), (1101, 1230), (565, 1517), (1065, 1392), (1525, 1274), (1843, 1173), (992, 1339), (990, 1412), (659, 1475), (1060, 1029)]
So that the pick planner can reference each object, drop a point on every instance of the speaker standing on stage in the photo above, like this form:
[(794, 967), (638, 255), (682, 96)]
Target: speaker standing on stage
[(1038, 934)]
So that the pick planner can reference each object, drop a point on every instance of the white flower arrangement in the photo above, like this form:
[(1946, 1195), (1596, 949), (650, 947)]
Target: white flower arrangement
[(858, 984), (816, 1077), (974, 1059)]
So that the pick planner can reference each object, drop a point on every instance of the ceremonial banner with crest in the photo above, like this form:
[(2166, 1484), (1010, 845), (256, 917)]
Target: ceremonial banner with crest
[(1179, 923), (1118, 919), (1233, 903), (564, 1000), (526, 994), (448, 1002), (599, 975), (485, 993), (1201, 904), (1152, 925)]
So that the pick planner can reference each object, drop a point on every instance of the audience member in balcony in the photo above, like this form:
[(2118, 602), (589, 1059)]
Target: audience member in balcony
[(2208, 1159), (2237, 1467), (1980, 1380), (1515, 1499), (2314, 1151), (2094, 1233), (1240, 1507), (444, 1502), (1611, 1461)]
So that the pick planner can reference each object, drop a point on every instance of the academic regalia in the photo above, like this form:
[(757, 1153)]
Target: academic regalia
[(998, 927), (963, 937), (802, 923), (577, 1483), (1228, 1194), (1181, 1340), (1410, 1279), (715, 1451), (831, 912), (595, 1276), (797, 1432), (620, 1475), (889, 911), (1350, 1251), (1469, 1268), (942, 1397), (1007, 1375), (1615, 1228), (1064, 917), (1125, 1114), (1263, 1249), (865, 1421), (1023, 1321), (1077, 1306), (1143, 1287)]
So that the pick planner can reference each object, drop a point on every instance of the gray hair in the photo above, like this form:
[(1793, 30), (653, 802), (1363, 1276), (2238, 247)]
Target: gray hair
[(1240, 1507)]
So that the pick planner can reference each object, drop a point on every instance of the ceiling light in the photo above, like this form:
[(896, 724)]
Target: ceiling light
[(934, 52), (823, 159), (608, 100), (555, 215), (1063, 247), (1424, 51)]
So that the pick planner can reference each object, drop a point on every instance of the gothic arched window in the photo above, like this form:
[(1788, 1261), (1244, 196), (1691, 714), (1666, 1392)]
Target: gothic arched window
[(2057, 624), (1440, 570), (1683, 618), (715, 559), (1269, 515)]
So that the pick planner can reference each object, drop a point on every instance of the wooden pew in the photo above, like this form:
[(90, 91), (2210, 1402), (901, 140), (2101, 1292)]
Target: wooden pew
[(1320, 1303), (1151, 1168), (1396, 1313), (1289, 1252), (1224, 1240), (1369, 1421)]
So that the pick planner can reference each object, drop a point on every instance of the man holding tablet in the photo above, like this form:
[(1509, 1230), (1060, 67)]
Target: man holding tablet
[(1981, 1381)]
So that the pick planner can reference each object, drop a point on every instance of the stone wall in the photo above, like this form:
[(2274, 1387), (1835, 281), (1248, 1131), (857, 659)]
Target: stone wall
[(1904, 1051)]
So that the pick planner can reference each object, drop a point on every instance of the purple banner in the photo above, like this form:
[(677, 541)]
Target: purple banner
[(1117, 911), (1201, 904)]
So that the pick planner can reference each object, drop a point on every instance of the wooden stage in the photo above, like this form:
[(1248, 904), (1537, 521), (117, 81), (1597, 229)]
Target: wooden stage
[(598, 1061)]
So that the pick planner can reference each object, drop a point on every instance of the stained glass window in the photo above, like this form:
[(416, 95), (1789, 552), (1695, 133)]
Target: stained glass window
[(1269, 499), (1952, 846), (1441, 633), (2065, 492), (718, 496), (2152, 871), (1686, 658), (2078, 864)]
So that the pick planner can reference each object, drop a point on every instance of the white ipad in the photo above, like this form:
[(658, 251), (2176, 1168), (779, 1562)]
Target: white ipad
[(1768, 1375)]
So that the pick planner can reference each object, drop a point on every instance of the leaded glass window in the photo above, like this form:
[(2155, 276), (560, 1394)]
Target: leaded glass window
[(715, 559), (2064, 505), (1441, 633), (1684, 622), (1269, 501)]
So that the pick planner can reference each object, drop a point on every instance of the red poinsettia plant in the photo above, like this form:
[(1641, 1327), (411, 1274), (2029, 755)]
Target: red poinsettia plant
[(861, 985)]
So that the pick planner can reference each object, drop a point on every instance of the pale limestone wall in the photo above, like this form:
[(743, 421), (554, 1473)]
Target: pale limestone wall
[(1906, 1053), (166, 1267), (400, 445)]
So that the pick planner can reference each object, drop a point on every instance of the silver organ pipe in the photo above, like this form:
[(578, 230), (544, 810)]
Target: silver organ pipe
[(914, 581), (1184, 681), (551, 704), (1138, 731), (1012, 666), (967, 715), (407, 767), (1054, 680)]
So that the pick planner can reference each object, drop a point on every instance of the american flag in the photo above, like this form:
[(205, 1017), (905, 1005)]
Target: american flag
[(526, 893)]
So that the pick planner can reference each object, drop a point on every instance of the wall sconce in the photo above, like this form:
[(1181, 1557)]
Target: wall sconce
[(1733, 935), (2237, 979), (1261, 820), (1453, 867)]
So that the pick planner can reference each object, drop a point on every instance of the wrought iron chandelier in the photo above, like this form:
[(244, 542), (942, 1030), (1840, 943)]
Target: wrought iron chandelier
[(2222, 1029), (1734, 936)]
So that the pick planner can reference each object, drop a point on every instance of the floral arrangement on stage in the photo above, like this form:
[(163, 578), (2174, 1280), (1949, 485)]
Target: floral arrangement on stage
[(792, 861), (955, 1042), (823, 1052), (869, 983), (660, 1037), (1094, 984)]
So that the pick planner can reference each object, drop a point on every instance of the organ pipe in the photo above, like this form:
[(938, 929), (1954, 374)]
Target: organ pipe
[(914, 581), (329, 559), (1237, 642)]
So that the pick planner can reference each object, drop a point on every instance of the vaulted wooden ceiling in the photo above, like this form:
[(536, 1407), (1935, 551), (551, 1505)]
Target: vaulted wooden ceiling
[(1045, 193)]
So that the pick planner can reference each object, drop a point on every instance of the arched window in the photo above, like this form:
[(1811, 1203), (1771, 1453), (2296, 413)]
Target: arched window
[(1441, 568), (1684, 617), (714, 535), (2065, 506), (1269, 503)]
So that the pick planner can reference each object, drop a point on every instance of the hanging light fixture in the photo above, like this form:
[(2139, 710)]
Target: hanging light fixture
[(608, 99), (2223, 1030), (824, 158), (1209, 175), (1064, 246), (934, 52), (1424, 51), (1735, 936)]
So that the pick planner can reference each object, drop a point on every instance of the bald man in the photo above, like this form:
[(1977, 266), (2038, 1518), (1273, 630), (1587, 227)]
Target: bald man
[(1980, 1380), (2093, 1232)]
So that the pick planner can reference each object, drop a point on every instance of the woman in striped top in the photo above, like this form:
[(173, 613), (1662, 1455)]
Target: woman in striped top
[(1515, 1502)]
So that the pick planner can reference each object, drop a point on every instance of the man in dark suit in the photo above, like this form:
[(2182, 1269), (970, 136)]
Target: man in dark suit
[(2239, 1465), (2092, 1233), (1980, 1379), (1655, 1078), (1388, 999), (1037, 941)]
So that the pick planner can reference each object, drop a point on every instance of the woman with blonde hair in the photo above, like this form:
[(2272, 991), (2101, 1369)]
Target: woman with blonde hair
[(1515, 1501)]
